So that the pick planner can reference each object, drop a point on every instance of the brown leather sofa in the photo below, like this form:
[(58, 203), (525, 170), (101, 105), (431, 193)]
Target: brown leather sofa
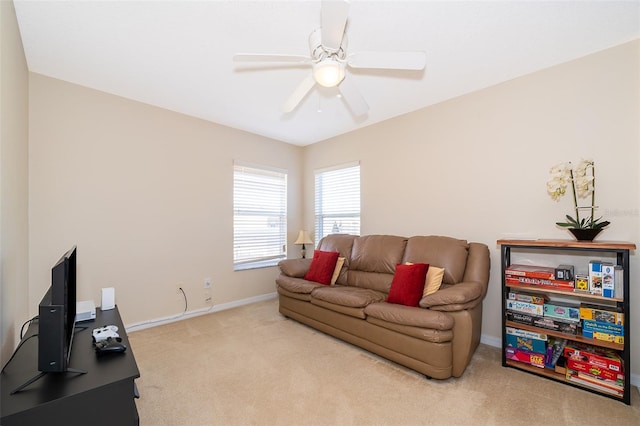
[(437, 339)]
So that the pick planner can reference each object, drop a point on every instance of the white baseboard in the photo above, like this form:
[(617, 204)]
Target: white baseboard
[(496, 342), (491, 341), (203, 311)]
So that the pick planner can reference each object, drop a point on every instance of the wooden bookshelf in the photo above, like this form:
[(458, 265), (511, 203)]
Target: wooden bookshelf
[(548, 247)]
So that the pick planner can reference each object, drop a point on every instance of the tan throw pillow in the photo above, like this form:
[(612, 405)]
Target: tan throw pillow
[(336, 271), (433, 280)]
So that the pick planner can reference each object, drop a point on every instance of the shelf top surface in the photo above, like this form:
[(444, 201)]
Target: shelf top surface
[(615, 245)]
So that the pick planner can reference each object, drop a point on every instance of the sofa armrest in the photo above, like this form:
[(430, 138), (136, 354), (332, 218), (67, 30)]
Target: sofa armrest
[(296, 268), (457, 297)]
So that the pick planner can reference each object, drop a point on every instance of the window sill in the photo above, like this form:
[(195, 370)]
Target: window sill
[(257, 265)]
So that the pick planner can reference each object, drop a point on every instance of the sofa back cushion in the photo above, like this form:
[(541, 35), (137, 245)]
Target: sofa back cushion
[(343, 244), (373, 261), (444, 252)]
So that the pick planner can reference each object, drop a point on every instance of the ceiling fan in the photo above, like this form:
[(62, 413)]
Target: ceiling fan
[(329, 59)]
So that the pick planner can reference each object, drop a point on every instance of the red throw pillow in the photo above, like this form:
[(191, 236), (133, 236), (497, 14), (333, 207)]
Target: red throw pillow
[(408, 284), (322, 266)]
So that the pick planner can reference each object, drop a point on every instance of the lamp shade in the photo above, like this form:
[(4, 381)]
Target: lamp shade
[(328, 72), (303, 238)]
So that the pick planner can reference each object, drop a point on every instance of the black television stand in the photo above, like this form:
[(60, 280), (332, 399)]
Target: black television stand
[(105, 395), (39, 376)]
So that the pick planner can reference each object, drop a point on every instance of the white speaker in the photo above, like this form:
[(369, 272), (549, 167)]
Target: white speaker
[(108, 298)]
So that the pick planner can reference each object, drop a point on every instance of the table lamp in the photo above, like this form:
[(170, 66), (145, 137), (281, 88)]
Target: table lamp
[(303, 238)]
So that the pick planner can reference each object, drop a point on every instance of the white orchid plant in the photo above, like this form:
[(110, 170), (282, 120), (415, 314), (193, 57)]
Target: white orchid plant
[(583, 185)]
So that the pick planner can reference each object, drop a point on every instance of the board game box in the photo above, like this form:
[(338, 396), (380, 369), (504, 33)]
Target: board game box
[(563, 311), (531, 271), (601, 314), (608, 277), (528, 343), (556, 325), (527, 357), (521, 318), (603, 327), (605, 337), (594, 370), (525, 307), (595, 277), (526, 297), (598, 357)]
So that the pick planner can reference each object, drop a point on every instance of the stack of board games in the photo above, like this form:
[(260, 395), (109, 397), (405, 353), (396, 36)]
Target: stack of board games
[(594, 367), (533, 348), (539, 276), (602, 323), (526, 346), (605, 279), (537, 311)]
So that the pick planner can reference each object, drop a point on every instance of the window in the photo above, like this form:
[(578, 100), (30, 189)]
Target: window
[(259, 216), (338, 200)]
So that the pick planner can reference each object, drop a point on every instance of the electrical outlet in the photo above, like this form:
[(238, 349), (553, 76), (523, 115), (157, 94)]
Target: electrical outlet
[(207, 282), (207, 296)]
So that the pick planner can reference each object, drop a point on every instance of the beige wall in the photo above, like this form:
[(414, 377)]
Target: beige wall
[(147, 196), (475, 167), (13, 182)]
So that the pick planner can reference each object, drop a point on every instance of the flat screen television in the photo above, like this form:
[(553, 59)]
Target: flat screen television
[(57, 315)]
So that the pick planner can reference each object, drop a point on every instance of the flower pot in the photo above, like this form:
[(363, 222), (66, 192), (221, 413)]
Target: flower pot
[(585, 234)]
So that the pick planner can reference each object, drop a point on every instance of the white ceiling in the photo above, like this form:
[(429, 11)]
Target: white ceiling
[(178, 54)]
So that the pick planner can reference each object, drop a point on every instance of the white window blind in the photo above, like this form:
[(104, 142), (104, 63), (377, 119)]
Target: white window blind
[(337, 201), (259, 216)]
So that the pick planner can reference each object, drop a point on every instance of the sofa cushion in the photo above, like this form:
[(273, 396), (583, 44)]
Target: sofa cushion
[(337, 270), (373, 261), (406, 315), (344, 310), (371, 280), (322, 266), (347, 296), (444, 252), (343, 244), (433, 280), (427, 334), (377, 253), (298, 296), (408, 284), (294, 267), (296, 285), (456, 297)]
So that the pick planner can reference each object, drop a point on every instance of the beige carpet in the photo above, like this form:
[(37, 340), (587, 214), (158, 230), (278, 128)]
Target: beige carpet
[(251, 366)]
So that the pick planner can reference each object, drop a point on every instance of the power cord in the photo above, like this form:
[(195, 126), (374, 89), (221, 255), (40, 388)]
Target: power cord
[(28, 322), (16, 351), (22, 340), (180, 315), (186, 304)]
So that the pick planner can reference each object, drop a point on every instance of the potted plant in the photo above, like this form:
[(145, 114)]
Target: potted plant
[(583, 185)]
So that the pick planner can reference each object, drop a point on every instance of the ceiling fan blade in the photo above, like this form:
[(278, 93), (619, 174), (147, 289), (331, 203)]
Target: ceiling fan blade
[(333, 19), (388, 60), (260, 57), (298, 95), (353, 98)]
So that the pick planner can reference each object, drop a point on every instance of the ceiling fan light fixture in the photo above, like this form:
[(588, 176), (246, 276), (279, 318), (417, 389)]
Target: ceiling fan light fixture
[(328, 72)]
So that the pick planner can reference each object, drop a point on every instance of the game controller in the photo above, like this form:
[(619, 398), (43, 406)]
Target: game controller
[(103, 333), (110, 345)]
